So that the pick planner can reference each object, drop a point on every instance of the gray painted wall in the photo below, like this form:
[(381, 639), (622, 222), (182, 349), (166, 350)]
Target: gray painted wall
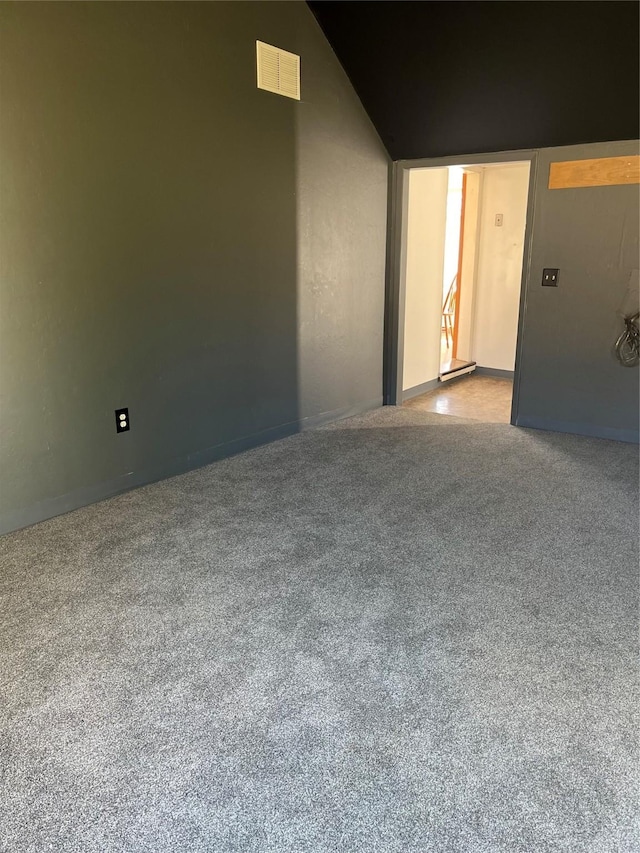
[(569, 378), (341, 185), (175, 241)]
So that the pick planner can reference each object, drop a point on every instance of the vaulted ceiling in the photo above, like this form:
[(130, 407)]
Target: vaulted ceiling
[(443, 78)]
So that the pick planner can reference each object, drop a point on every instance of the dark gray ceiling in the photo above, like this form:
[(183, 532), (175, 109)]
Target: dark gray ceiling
[(443, 78)]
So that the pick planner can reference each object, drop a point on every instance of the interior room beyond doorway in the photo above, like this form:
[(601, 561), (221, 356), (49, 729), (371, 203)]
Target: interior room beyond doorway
[(465, 235)]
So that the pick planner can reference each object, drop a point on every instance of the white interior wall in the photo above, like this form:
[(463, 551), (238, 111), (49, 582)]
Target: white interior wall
[(452, 234), (499, 265), (426, 221), (466, 285)]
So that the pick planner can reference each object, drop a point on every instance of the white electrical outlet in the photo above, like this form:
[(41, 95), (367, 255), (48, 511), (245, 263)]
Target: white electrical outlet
[(123, 423)]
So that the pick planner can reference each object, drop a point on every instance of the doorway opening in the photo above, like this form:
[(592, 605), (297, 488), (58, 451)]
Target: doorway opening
[(463, 256)]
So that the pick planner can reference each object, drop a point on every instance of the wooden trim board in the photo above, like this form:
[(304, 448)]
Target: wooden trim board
[(602, 172)]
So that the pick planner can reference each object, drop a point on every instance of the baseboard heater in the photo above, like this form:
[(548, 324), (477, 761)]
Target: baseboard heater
[(454, 372)]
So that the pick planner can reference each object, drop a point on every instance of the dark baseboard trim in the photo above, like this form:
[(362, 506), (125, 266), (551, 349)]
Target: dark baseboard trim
[(17, 519), (420, 389), (628, 435), (494, 371), (315, 421)]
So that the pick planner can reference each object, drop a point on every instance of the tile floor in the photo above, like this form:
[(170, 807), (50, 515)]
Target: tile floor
[(478, 397)]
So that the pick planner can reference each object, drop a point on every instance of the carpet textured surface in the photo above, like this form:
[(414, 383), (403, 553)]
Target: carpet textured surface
[(404, 632)]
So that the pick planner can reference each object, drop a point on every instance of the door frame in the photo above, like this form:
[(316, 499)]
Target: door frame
[(397, 261)]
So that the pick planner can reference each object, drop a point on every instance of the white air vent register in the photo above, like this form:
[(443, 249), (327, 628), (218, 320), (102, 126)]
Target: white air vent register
[(278, 70)]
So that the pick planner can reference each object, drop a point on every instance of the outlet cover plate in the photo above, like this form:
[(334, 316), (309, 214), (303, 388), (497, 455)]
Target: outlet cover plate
[(123, 424)]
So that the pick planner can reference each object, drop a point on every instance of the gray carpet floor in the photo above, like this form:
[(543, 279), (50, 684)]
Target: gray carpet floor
[(405, 632)]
